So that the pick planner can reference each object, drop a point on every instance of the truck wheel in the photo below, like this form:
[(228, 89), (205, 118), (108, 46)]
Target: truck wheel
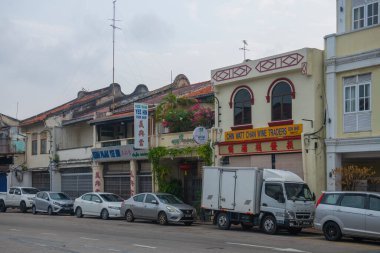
[(269, 225), (23, 207), (332, 231), (223, 221), (3, 208), (294, 231)]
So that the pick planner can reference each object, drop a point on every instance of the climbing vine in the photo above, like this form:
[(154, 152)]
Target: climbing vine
[(162, 173)]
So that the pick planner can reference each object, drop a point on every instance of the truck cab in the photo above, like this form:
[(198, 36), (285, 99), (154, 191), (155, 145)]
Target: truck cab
[(286, 201)]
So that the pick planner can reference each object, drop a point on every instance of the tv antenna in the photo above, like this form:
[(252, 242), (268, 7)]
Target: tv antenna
[(244, 47), (114, 27)]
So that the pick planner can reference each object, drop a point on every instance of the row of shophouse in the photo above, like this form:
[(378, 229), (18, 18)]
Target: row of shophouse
[(309, 111)]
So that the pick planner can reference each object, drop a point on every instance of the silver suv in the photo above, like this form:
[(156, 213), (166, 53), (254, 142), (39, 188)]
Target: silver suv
[(351, 214)]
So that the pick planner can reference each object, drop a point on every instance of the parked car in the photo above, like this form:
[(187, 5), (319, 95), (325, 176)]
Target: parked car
[(161, 207), (351, 214), (18, 197), (101, 204), (52, 202)]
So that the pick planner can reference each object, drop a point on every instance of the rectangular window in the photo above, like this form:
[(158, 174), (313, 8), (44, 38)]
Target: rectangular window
[(357, 103), (34, 144), (354, 201), (365, 15), (374, 203), (372, 14), (43, 143), (358, 17)]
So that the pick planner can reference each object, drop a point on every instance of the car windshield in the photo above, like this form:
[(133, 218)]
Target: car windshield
[(296, 191), (29, 190), (169, 199), (59, 196), (111, 197)]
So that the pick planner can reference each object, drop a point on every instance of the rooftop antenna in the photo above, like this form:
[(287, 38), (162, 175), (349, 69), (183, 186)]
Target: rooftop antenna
[(244, 47), (114, 27)]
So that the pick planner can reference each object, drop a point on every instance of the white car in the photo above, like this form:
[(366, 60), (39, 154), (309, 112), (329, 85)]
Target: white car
[(101, 204)]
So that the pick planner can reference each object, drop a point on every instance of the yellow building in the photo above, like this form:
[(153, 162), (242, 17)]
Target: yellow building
[(352, 59), (271, 112)]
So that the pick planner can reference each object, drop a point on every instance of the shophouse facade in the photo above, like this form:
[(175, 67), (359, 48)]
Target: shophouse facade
[(271, 112), (59, 142), (12, 153), (131, 172), (352, 62)]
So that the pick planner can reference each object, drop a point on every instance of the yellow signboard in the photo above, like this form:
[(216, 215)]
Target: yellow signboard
[(263, 133)]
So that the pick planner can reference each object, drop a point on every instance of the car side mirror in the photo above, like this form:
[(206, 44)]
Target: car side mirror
[(154, 202), (98, 201)]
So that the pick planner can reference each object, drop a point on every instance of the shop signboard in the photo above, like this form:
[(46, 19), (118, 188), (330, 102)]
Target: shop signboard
[(118, 153), (141, 125)]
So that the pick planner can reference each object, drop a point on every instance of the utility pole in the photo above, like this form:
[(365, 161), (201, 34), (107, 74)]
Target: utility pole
[(114, 27), (244, 47)]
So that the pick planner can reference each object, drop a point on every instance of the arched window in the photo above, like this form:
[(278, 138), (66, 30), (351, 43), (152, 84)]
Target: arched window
[(281, 101), (242, 107)]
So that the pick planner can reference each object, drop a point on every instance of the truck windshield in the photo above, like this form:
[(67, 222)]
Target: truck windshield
[(29, 190), (296, 191)]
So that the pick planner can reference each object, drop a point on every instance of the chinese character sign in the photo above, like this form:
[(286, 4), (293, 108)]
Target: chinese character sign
[(141, 126)]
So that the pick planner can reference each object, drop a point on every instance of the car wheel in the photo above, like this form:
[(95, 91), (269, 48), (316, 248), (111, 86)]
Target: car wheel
[(162, 218), (104, 214), (223, 221), (332, 231), (269, 225), (129, 216), (294, 231), (23, 207), (50, 211), (188, 223), (78, 212), (34, 209), (3, 209), (246, 226)]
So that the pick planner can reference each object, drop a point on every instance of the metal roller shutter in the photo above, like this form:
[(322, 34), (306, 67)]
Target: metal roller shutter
[(144, 183), (41, 180), (118, 184), (75, 182)]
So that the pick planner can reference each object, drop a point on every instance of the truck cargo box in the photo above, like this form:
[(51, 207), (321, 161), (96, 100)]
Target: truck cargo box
[(232, 189)]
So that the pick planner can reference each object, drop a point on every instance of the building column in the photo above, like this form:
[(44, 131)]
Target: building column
[(55, 177), (134, 168), (97, 177), (334, 160)]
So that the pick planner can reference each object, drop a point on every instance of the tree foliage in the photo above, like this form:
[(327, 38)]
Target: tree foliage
[(352, 174)]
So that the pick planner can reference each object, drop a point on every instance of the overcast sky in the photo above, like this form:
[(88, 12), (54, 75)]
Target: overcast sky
[(51, 49)]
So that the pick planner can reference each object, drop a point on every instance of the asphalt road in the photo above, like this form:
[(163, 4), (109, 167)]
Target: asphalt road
[(60, 233)]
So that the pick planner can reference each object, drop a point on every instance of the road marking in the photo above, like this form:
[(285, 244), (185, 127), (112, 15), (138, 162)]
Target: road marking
[(116, 250), (48, 234), (266, 247), (86, 238), (144, 246), (13, 229), (40, 244)]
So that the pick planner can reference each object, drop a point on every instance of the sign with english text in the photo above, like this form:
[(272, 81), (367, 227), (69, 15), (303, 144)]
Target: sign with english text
[(141, 125)]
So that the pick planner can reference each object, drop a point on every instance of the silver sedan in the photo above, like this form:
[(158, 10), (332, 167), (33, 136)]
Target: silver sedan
[(161, 207)]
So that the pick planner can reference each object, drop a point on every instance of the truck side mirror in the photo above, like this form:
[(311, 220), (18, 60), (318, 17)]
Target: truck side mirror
[(313, 196)]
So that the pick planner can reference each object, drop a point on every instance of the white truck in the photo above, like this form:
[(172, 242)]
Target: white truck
[(17, 197), (267, 198)]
